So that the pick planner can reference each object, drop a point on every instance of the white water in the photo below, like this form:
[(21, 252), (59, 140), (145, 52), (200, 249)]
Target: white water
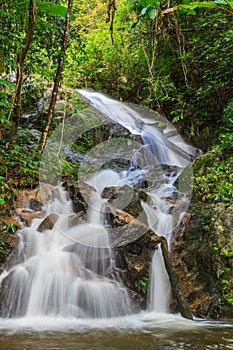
[(59, 277), (157, 133), (167, 148), (68, 272)]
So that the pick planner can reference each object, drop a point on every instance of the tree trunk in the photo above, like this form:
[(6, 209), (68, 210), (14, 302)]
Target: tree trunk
[(175, 281), (20, 63), (57, 79)]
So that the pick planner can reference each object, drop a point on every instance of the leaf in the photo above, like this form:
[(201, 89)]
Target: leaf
[(3, 105), (152, 13), (198, 4), (230, 3), (7, 83), (220, 2), (144, 11), (144, 3), (53, 9), (220, 272)]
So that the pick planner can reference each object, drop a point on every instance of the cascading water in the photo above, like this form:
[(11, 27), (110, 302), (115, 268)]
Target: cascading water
[(69, 271), (168, 149), (57, 275)]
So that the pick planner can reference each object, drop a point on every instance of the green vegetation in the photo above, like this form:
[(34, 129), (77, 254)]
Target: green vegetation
[(173, 57), (224, 273), (213, 181)]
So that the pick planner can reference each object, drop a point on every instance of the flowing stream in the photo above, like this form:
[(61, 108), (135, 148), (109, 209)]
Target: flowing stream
[(64, 279)]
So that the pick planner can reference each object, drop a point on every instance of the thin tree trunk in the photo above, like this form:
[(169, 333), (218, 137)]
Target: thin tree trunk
[(57, 79), (20, 63)]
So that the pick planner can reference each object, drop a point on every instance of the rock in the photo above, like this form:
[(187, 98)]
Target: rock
[(133, 244), (5, 291), (126, 229), (27, 215), (76, 219), (34, 199), (35, 205), (48, 223), (29, 203), (202, 254), (9, 238), (78, 196), (126, 198)]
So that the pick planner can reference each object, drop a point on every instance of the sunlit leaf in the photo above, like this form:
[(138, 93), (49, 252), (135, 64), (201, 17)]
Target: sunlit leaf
[(152, 13), (144, 11), (194, 5), (53, 9), (220, 2), (230, 3)]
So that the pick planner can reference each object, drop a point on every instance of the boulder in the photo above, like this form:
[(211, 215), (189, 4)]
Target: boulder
[(48, 223), (126, 198), (202, 251), (133, 244)]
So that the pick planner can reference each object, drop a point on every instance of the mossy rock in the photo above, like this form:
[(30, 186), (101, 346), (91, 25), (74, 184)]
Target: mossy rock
[(202, 254)]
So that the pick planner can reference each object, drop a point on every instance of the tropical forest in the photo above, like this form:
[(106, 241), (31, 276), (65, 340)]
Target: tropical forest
[(116, 174)]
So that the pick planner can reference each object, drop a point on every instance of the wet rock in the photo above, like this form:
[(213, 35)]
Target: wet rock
[(48, 223), (5, 289), (97, 259), (35, 204), (29, 204), (133, 244), (78, 196), (202, 254), (26, 216), (126, 198), (76, 219), (126, 229)]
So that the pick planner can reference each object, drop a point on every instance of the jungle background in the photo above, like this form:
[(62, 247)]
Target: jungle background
[(173, 57)]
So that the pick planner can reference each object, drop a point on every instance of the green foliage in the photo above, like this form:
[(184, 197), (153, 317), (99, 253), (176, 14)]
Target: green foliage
[(145, 8), (142, 285), (188, 64), (215, 183), (11, 227), (45, 48), (7, 193), (19, 169), (227, 120), (6, 89), (4, 251), (190, 6), (224, 273), (114, 68), (51, 8)]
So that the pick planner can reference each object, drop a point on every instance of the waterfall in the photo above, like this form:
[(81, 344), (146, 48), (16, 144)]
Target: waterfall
[(69, 270), (66, 271), (168, 150)]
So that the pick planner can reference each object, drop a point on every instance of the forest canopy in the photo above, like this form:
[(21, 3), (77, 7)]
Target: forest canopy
[(174, 57)]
